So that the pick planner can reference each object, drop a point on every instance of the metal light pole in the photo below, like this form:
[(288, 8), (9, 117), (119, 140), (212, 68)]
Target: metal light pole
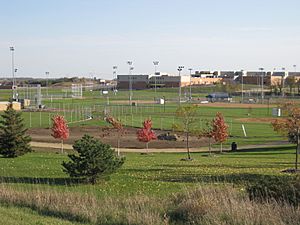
[(262, 84), (115, 77), (295, 68), (242, 78), (12, 49), (179, 70), (283, 77), (190, 69), (47, 76), (130, 67), (155, 63)]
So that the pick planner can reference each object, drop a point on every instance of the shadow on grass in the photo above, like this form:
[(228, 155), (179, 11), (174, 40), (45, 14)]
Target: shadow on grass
[(219, 165), (265, 150), (44, 211), (36, 180), (239, 178)]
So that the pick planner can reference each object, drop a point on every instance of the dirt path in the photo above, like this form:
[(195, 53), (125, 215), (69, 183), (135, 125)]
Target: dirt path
[(152, 150)]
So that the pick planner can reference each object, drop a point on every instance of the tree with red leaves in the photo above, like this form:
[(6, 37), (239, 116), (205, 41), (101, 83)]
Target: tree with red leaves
[(60, 129), (146, 134), (219, 129)]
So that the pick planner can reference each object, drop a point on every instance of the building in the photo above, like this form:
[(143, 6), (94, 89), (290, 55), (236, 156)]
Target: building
[(207, 80), (218, 97), (137, 82), (15, 105), (167, 80)]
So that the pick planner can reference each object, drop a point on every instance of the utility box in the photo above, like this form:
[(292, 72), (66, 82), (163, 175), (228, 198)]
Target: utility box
[(161, 101), (276, 112)]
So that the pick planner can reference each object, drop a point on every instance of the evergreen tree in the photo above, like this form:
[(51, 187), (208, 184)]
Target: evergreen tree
[(94, 160), (13, 139)]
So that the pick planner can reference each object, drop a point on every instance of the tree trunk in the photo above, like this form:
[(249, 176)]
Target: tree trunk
[(118, 147), (209, 145), (187, 145), (62, 146), (297, 150), (221, 147), (147, 145)]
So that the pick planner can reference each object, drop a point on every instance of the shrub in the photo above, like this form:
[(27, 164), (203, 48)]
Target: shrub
[(94, 160), (283, 189)]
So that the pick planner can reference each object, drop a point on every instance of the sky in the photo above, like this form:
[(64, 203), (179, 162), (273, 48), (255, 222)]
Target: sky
[(89, 37)]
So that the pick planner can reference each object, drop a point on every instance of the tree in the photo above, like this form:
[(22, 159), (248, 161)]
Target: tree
[(291, 82), (94, 160), (60, 129), (207, 132), (298, 86), (290, 126), (219, 129), (146, 134), (118, 126), (187, 115), (13, 139)]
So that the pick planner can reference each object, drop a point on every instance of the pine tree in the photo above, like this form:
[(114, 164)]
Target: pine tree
[(13, 139), (94, 160)]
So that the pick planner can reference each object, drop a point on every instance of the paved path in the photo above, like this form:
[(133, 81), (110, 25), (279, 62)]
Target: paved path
[(200, 149)]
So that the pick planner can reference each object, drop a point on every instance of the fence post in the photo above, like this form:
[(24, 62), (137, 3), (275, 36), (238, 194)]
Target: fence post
[(40, 118), (30, 123)]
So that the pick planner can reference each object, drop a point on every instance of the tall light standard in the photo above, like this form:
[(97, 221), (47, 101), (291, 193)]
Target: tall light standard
[(283, 77), (155, 63), (130, 68), (179, 70), (12, 49), (262, 84), (190, 69), (295, 68), (242, 78), (47, 77), (115, 77)]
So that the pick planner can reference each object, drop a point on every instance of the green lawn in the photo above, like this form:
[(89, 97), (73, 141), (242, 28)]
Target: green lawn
[(11, 215), (156, 174)]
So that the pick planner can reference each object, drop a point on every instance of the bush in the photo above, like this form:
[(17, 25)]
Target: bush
[(282, 189), (95, 160)]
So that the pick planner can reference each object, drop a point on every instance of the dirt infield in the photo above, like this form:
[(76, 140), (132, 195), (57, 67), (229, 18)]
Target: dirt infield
[(215, 104), (257, 120), (236, 105), (137, 101), (129, 140)]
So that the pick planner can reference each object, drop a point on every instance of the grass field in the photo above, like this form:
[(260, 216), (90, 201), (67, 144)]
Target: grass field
[(38, 177), (156, 174), (33, 188)]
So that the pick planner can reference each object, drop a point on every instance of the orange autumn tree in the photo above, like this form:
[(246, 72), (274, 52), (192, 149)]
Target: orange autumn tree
[(118, 126), (290, 126), (146, 134), (219, 130), (60, 129)]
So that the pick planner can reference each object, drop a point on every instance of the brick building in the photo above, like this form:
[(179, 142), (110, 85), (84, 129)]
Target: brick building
[(139, 82)]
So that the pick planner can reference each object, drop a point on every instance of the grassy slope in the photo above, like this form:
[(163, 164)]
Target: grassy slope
[(158, 174), (15, 216)]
